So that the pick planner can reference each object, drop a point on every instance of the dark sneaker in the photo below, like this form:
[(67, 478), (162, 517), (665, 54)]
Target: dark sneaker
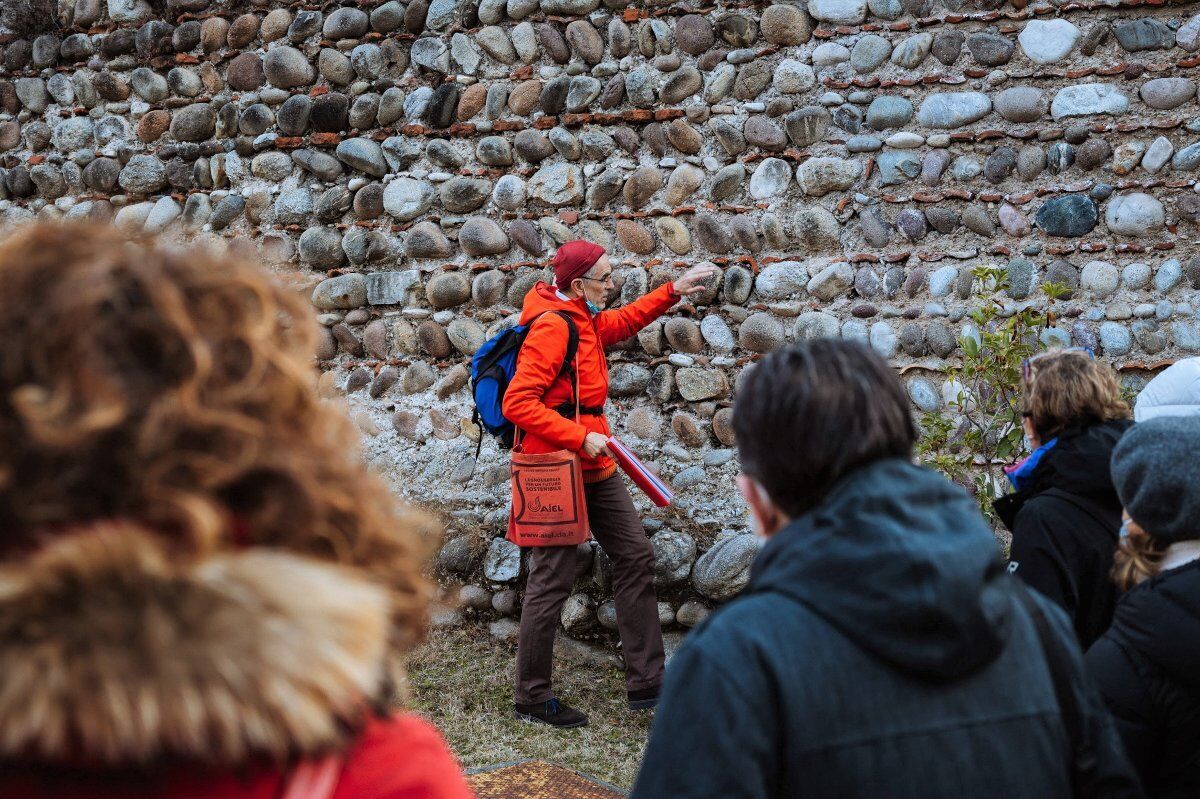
[(552, 712), (644, 698)]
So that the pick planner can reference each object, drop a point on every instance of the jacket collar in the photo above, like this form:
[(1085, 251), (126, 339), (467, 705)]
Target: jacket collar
[(1077, 465), (1179, 554), (543, 298), (117, 650)]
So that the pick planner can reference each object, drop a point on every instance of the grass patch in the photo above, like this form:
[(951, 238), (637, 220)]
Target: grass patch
[(462, 681)]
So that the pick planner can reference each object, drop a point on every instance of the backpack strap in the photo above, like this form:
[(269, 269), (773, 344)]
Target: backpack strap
[(568, 364), (572, 343), (1084, 763)]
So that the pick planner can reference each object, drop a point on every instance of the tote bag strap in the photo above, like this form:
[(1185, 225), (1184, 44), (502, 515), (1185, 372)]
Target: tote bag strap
[(575, 385), (313, 779)]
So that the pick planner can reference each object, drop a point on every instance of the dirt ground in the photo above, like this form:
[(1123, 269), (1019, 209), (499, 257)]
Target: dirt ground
[(462, 681)]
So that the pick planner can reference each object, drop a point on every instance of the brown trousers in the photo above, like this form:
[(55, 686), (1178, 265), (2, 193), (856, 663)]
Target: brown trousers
[(618, 529)]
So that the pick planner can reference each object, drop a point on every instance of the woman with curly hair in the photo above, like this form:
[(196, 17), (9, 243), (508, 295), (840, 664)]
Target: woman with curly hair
[(1064, 515), (1147, 665), (202, 590)]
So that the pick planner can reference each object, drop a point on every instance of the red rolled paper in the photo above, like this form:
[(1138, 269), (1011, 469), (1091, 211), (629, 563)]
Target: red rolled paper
[(650, 483)]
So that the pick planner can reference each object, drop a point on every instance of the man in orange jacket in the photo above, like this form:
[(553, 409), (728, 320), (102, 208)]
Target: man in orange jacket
[(539, 400)]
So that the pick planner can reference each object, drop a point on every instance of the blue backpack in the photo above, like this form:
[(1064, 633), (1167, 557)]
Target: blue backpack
[(493, 367)]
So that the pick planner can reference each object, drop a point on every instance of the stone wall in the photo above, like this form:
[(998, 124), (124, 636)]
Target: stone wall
[(846, 162)]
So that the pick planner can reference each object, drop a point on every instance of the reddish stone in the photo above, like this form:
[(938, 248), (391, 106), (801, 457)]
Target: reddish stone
[(245, 72), (524, 97), (10, 135), (153, 125), (472, 101), (635, 237), (325, 139), (243, 31)]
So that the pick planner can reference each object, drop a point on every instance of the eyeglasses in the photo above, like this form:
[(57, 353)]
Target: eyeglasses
[(606, 279), (1027, 364)]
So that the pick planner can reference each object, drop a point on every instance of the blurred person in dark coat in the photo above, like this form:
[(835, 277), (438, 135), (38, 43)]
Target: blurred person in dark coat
[(1064, 514), (1148, 663)]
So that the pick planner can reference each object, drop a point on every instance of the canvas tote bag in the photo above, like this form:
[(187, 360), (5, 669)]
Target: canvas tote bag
[(549, 508)]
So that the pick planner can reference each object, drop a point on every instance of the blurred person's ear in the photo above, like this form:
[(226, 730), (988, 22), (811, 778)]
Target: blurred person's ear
[(766, 518), (1030, 433)]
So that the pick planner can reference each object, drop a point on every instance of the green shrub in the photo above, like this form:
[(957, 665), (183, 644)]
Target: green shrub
[(980, 431)]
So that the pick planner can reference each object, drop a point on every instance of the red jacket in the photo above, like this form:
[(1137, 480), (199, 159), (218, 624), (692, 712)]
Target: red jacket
[(537, 387), (399, 758)]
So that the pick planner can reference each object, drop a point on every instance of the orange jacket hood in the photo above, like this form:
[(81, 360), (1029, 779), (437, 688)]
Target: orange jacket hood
[(543, 297)]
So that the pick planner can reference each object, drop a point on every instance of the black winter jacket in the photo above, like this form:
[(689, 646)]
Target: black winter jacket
[(1065, 526), (878, 651), (1148, 669)]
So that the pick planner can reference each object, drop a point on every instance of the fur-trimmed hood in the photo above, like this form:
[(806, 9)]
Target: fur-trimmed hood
[(116, 650)]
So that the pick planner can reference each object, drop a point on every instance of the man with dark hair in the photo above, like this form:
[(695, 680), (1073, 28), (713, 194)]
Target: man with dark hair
[(880, 649), (539, 401)]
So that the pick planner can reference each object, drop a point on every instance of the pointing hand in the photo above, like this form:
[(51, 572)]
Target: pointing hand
[(693, 280)]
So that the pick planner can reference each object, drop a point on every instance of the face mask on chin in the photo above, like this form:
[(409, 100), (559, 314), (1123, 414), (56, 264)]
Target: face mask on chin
[(592, 307)]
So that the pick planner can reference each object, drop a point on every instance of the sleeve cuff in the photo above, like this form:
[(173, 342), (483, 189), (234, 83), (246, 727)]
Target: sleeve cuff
[(580, 438)]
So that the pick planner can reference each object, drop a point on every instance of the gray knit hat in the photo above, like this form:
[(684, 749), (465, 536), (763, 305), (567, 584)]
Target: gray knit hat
[(1156, 471)]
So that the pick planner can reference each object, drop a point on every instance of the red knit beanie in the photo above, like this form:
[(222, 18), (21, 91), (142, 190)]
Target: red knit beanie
[(573, 260)]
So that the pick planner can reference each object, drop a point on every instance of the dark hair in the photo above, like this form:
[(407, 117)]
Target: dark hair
[(809, 414)]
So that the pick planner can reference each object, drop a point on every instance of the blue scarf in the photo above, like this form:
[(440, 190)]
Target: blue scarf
[(1019, 474)]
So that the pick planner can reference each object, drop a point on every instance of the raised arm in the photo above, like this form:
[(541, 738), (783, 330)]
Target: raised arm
[(621, 323)]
